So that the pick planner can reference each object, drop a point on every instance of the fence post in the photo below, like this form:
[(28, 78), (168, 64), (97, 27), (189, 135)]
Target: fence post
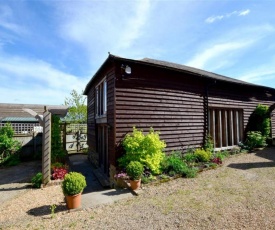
[(64, 135), (46, 154)]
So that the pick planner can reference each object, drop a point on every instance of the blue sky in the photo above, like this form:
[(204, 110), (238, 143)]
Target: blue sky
[(48, 48)]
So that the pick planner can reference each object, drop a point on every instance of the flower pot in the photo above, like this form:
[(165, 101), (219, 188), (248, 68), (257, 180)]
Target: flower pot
[(73, 201), (120, 183), (135, 184)]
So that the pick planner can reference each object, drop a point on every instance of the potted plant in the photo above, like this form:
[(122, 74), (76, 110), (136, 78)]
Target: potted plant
[(120, 180), (134, 170), (72, 186)]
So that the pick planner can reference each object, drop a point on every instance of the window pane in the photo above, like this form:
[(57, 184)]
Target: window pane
[(105, 96), (225, 127), (97, 102)]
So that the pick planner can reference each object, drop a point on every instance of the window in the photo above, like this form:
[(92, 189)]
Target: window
[(101, 98), (225, 127)]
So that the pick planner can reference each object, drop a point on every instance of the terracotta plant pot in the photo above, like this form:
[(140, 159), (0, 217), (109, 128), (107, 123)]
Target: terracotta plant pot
[(135, 184), (73, 201)]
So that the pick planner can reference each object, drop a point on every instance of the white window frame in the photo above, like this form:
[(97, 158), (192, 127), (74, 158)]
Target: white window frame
[(225, 127), (101, 99)]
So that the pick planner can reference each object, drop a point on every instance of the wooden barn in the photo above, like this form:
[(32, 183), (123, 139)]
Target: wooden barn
[(183, 103)]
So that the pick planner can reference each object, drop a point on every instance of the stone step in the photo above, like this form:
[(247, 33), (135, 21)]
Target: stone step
[(102, 178)]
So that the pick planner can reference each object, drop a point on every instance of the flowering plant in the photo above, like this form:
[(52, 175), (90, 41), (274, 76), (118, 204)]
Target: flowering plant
[(121, 175)]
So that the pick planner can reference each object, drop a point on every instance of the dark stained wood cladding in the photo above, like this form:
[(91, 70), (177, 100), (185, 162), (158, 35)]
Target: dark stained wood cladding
[(92, 127), (246, 98), (91, 119), (273, 123), (111, 115), (171, 103)]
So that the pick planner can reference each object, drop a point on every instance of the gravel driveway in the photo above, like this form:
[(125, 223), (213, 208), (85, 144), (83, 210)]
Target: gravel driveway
[(238, 195)]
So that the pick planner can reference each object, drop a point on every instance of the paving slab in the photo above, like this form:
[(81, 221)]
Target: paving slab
[(95, 194), (16, 180)]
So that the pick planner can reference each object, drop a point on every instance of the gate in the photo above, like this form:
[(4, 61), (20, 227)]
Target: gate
[(74, 137)]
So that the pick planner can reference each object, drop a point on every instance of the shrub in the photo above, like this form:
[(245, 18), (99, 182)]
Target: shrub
[(37, 180), (263, 120), (57, 165), (189, 158), (221, 155), (202, 155), (73, 183), (209, 144), (255, 140), (173, 165), (12, 160), (217, 160), (134, 170), (147, 149), (147, 179), (190, 172), (59, 173), (57, 151), (8, 146)]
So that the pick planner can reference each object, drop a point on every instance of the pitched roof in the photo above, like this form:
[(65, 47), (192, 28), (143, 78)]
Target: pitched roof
[(20, 119), (17, 110), (192, 70), (173, 67)]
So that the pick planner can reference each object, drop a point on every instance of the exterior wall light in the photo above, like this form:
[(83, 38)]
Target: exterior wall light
[(126, 69)]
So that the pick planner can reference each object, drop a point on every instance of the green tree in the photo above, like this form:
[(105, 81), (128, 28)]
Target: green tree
[(77, 108), (9, 147)]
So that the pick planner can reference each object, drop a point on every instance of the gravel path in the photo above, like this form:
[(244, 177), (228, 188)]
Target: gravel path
[(238, 195)]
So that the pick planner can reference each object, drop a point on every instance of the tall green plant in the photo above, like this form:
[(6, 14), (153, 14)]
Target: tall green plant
[(209, 144), (8, 146), (255, 139), (147, 149), (57, 151), (77, 107), (263, 120)]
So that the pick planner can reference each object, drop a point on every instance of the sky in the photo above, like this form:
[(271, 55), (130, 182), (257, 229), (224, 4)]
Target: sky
[(50, 47)]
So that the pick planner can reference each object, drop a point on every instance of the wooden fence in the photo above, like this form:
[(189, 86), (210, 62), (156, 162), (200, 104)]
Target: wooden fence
[(74, 138)]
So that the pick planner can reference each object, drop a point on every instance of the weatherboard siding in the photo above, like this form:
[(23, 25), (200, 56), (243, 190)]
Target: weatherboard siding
[(92, 126), (238, 97), (172, 102), (273, 124), (172, 105)]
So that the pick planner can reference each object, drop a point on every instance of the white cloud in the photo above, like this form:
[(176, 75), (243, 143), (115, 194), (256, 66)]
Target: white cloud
[(214, 18), (223, 51), (243, 13), (260, 74), (215, 52), (133, 28), (228, 15), (7, 21), (101, 27), (35, 81)]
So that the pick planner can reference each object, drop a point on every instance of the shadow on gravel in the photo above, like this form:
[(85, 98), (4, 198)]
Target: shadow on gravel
[(267, 153), (21, 173), (15, 189), (46, 210)]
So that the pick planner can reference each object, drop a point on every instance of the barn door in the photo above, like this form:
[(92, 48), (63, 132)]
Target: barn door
[(102, 135)]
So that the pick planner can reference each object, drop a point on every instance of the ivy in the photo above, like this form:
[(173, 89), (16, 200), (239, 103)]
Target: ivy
[(57, 151), (263, 120)]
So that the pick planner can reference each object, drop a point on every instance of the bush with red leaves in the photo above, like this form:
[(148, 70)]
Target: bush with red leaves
[(217, 160), (59, 173)]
